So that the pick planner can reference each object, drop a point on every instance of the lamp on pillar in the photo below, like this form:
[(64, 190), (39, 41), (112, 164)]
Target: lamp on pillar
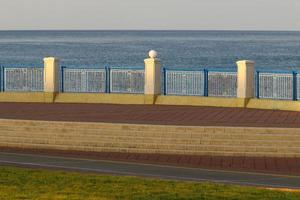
[(152, 78)]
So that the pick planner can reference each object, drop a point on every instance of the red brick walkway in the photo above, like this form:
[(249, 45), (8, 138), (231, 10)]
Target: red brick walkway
[(143, 114)]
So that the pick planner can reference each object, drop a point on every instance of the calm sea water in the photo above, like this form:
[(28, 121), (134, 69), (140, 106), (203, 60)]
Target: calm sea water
[(181, 49)]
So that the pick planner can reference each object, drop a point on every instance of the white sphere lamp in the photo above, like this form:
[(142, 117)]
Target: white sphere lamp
[(152, 54)]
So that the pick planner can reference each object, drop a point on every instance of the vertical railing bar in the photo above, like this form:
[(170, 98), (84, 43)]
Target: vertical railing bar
[(62, 69), (205, 82), (165, 80), (257, 84), (3, 79), (295, 86), (108, 77)]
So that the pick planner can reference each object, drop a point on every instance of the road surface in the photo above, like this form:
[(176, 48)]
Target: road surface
[(148, 170)]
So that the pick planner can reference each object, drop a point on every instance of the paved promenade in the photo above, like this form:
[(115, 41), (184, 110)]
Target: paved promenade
[(143, 114), (173, 115)]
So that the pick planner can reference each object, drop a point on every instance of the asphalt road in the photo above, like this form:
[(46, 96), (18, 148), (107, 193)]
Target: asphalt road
[(147, 170)]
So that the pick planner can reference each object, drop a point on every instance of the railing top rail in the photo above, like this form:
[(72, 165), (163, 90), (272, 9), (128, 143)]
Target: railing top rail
[(70, 67), (214, 69), (183, 69), (127, 68), (29, 67), (276, 71)]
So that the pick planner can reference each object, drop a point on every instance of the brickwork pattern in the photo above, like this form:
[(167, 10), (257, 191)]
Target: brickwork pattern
[(155, 139), (146, 114)]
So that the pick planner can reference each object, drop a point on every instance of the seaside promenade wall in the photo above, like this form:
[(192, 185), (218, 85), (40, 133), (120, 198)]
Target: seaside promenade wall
[(245, 97), (40, 97), (156, 139), (161, 139)]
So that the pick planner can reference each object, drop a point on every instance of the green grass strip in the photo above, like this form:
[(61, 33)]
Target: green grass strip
[(18, 183)]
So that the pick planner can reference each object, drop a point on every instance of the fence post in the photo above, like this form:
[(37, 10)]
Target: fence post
[(107, 79), (51, 79), (165, 81), (295, 86), (152, 78), (245, 80), (61, 85), (2, 88), (257, 85), (205, 82)]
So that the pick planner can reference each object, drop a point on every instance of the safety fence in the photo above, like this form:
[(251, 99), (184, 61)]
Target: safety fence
[(127, 80), (216, 82), (278, 84), (19, 79), (85, 80), (200, 82), (103, 80)]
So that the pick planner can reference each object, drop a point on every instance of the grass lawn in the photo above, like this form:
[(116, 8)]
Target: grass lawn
[(17, 183)]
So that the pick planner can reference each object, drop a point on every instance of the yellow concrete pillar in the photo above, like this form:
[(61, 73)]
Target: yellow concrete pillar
[(51, 78), (245, 80), (152, 78)]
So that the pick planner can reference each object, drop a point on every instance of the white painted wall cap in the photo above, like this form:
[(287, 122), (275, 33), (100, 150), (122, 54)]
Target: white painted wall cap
[(246, 61), (50, 58)]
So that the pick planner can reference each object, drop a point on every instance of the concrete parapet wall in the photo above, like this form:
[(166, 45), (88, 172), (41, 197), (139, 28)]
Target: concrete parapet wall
[(23, 97), (274, 104), (105, 137), (109, 98)]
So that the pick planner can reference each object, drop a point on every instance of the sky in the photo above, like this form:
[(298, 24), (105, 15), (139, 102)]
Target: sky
[(150, 14)]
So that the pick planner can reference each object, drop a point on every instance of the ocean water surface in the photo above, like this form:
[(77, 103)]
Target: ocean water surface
[(178, 49)]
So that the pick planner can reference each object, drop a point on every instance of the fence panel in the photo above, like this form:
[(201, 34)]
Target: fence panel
[(17, 79), (274, 85), (86, 80), (131, 80), (186, 83), (222, 83)]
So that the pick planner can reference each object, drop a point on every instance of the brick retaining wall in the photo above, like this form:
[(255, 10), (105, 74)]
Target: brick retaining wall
[(189, 140)]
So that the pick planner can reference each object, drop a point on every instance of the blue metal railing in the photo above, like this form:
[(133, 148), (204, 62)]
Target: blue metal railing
[(126, 80), (219, 82), (222, 82), (22, 79), (184, 82), (200, 82), (83, 80), (102, 80), (277, 84)]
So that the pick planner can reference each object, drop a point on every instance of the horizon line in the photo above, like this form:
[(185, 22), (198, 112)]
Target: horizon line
[(229, 30)]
